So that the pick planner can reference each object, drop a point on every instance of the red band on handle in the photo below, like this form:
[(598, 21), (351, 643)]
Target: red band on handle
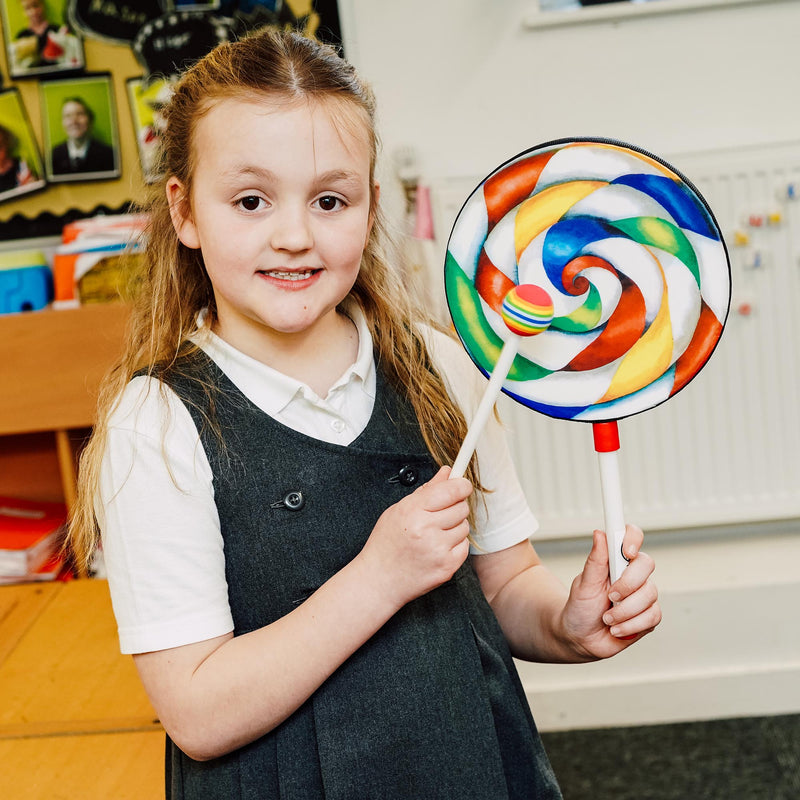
[(606, 436)]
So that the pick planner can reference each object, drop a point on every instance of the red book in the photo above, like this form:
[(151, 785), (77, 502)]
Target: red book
[(30, 533)]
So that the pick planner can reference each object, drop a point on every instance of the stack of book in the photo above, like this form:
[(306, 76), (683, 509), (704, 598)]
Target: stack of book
[(99, 259), (31, 535)]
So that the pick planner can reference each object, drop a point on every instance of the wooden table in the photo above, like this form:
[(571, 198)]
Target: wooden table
[(75, 721)]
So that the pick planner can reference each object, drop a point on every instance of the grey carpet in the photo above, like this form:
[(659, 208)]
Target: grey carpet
[(733, 759)]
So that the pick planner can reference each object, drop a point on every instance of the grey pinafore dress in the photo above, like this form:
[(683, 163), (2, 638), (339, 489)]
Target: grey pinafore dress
[(431, 707)]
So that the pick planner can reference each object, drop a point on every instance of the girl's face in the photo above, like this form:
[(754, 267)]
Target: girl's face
[(280, 207)]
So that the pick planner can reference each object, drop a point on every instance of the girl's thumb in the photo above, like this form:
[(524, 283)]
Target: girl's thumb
[(442, 475), (595, 571)]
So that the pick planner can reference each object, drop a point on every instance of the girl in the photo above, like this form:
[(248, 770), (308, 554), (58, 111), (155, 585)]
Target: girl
[(287, 557)]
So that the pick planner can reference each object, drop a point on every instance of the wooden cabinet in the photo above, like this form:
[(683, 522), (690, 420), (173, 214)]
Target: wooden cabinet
[(51, 364)]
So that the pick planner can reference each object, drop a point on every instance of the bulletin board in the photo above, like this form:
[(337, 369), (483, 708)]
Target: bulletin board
[(113, 48)]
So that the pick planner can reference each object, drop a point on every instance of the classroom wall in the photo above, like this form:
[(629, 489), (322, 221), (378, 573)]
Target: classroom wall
[(466, 85)]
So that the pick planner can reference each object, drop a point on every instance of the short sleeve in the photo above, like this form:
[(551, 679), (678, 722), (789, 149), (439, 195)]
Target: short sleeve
[(503, 517), (160, 530)]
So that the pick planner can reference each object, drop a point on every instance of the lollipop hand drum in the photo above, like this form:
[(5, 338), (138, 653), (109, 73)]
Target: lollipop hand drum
[(615, 262)]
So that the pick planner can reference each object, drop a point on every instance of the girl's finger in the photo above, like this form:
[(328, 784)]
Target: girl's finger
[(640, 625), (633, 577), (632, 606), (632, 541), (456, 534), (438, 495), (461, 549)]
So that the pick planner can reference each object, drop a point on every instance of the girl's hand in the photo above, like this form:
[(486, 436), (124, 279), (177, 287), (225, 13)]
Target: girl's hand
[(419, 542), (599, 619)]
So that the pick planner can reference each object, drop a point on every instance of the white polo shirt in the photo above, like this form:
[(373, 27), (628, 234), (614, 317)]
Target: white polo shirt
[(161, 535)]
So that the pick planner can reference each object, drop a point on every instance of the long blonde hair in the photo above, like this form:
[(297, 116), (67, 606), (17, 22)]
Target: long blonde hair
[(176, 287)]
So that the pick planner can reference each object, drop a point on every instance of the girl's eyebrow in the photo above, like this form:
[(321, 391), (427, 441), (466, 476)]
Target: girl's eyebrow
[(339, 176), (250, 170), (334, 176)]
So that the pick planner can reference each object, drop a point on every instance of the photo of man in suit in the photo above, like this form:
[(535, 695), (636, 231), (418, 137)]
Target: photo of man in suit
[(80, 152)]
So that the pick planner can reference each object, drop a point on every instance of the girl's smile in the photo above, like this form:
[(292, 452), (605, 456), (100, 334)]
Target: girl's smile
[(281, 208)]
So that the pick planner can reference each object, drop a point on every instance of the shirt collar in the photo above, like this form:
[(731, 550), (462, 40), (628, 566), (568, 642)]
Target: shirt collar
[(364, 365), (271, 390), (76, 151)]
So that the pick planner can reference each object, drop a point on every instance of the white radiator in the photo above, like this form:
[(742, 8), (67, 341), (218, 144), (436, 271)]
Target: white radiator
[(726, 449)]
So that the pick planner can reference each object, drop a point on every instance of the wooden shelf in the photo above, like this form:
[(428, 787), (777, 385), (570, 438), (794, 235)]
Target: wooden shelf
[(53, 362)]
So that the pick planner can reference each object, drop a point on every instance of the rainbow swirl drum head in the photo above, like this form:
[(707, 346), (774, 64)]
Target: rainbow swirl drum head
[(631, 256)]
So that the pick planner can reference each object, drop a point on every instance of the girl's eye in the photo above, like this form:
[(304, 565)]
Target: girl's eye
[(330, 203), (250, 203)]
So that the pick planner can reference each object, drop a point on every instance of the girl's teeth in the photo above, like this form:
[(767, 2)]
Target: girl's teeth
[(290, 276)]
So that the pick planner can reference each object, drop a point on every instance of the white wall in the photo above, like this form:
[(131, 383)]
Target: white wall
[(469, 86), (466, 85)]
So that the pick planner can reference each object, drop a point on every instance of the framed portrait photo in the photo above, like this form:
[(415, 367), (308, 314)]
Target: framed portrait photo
[(39, 39), (21, 169), (147, 99), (81, 135)]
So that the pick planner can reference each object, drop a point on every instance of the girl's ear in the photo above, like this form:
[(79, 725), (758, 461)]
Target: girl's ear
[(181, 214)]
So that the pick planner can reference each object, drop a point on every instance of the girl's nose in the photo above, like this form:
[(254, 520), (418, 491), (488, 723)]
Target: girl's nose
[(292, 230)]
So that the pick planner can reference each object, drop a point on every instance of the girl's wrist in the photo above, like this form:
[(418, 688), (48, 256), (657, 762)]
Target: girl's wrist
[(375, 586)]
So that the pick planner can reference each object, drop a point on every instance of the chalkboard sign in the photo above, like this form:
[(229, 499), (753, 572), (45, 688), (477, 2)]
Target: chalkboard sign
[(114, 20), (166, 45)]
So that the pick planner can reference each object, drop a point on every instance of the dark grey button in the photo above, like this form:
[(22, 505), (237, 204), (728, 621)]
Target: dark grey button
[(408, 475), (294, 501)]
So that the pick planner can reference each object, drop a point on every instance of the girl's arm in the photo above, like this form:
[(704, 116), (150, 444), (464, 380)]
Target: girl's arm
[(217, 695), (544, 622)]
